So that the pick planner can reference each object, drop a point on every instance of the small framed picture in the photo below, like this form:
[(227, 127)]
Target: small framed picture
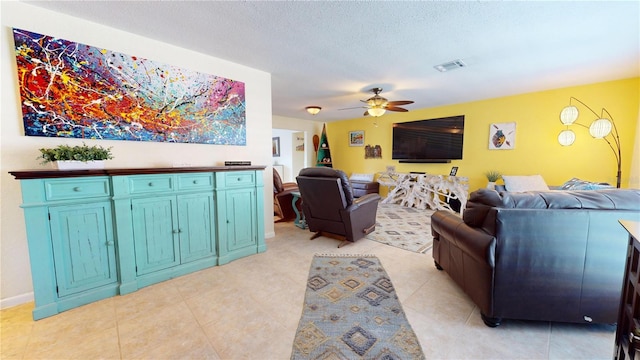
[(454, 171), (356, 138), (275, 146), (502, 136)]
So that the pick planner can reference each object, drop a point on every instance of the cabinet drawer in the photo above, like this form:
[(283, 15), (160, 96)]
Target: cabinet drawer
[(76, 188), (239, 179), (197, 181), (150, 183)]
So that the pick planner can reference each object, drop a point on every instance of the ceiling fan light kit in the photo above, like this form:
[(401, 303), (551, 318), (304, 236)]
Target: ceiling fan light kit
[(378, 105), (313, 110), (376, 111)]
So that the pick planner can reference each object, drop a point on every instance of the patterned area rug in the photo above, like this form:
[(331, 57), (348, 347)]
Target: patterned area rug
[(403, 227), (351, 311)]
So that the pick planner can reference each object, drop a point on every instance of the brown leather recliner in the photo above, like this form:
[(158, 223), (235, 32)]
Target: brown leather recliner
[(540, 255), (282, 198), (329, 207)]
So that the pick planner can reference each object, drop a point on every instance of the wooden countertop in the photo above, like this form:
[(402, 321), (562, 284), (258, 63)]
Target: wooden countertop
[(44, 174), (633, 227)]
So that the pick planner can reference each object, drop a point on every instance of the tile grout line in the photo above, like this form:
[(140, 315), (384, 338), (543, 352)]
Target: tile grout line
[(197, 320)]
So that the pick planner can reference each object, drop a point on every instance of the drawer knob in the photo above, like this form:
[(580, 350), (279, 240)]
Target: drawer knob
[(195, 181), (76, 189), (150, 184), (239, 179)]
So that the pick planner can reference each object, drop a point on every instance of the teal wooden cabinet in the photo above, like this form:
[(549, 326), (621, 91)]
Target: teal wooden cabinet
[(240, 208), (169, 230), (99, 233), (72, 248), (83, 247), (172, 230), (196, 227), (240, 219), (155, 240)]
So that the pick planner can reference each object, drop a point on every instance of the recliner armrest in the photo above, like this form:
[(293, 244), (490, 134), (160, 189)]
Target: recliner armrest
[(363, 201), (475, 242)]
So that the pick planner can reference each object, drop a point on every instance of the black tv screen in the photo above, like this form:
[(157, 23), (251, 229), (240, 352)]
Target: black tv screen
[(432, 140)]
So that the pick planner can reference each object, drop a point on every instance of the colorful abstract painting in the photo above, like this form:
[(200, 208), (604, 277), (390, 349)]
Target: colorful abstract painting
[(73, 90)]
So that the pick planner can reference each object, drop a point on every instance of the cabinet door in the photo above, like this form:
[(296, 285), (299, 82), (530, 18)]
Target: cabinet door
[(195, 219), (155, 236), (241, 218), (83, 247)]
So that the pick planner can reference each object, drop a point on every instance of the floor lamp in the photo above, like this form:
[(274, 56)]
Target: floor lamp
[(600, 128)]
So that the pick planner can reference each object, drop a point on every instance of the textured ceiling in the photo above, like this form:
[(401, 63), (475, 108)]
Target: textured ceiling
[(331, 53)]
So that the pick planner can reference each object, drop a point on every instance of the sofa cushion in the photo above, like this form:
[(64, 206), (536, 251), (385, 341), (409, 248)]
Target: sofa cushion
[(361, 177), (373, 185), (524, 183), (577, 184)]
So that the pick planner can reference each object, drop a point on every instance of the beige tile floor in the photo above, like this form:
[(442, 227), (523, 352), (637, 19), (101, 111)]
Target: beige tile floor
[(249, 309)]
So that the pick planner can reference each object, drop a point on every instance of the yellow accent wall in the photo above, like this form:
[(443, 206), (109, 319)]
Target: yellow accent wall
[(536, 151)]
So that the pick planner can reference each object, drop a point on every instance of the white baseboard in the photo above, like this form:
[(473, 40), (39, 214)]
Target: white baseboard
[(268, 235), (16, 300)]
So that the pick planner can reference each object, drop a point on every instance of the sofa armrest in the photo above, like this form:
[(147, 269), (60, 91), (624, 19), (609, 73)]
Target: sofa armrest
[(474, 242), (290, 186)]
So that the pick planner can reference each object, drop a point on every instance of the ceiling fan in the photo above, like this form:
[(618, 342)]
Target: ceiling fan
[(378, 105)]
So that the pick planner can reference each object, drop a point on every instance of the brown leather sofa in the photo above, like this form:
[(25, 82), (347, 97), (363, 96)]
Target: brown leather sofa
[(362, 188), (551, 256), (330, 208)]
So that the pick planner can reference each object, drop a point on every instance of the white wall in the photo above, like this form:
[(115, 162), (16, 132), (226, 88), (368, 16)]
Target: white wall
[(286, 153), (298, 158), (308, 126), (291, 159), (18, 152)]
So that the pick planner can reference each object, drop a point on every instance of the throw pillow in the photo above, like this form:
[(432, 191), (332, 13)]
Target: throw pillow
[(524, 183), (577, 184), (361, 177)]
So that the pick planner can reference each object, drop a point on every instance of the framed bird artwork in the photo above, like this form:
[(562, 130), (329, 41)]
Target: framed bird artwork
[(502, 136)]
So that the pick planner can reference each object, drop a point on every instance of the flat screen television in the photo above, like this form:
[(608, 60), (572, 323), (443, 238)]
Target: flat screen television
[(428, 141)]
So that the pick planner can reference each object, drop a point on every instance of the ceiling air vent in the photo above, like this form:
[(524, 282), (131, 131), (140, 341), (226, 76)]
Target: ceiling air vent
[(451, 65)]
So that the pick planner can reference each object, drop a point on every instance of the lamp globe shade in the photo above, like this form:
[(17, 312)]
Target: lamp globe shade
[(569, 115), (313, 110), (566, 137), (600, 128), (376, 111)]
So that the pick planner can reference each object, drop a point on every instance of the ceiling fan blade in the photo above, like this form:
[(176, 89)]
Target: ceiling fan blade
[(399, 102), (351, 108), (394, 108)]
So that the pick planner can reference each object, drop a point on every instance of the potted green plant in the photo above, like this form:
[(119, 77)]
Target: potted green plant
[(492, 176), (77, 157)]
